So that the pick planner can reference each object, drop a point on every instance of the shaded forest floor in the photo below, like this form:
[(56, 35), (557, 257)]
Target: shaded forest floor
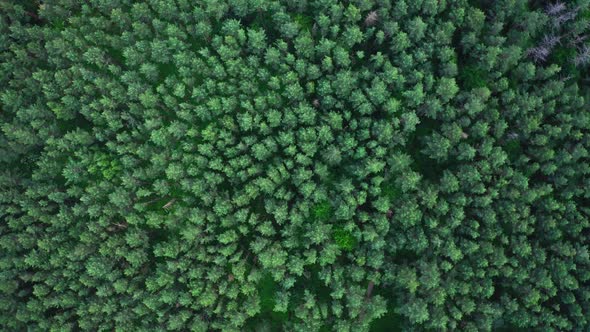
[(268, 320)]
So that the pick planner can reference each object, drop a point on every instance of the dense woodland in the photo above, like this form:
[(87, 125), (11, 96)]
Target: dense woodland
[(294, 165)]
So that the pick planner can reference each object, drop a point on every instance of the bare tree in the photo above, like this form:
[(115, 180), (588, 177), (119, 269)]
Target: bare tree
[(169, 204), (539, 53), (563, 17), (577, 40), (371, 18), (555, 8), (583, 56), (549, 41)]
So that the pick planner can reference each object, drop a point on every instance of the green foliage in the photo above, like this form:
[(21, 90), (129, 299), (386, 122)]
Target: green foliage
[(391, 191), (268, 319), (473, 77), (563, 56), (322, 211), (513, 148), (305, 22), (271, 165), (104, 165), (344, 239)]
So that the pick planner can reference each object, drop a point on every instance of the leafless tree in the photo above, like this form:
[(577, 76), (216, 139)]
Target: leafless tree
[(577, 40), (169, 204), (564, 78), (549, 41), (513, 135), (539, 53), (371, 18), (583, 56), (563, 17), (555, 8)]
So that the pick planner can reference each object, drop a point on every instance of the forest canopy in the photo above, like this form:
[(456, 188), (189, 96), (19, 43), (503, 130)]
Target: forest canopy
[(294, 165)]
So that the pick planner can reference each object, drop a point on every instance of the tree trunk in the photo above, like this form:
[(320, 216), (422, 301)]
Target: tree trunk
[(370, 289)]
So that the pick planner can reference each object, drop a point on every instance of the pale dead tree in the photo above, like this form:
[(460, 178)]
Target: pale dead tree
[(576, 40), (169, 204), (367, 299), (513, 135), (464, 135), (316, 103), (539, 53), (314, 29), (555, 8), (370, 289), (550, 41), (122, 224), (564, 78), (567, 16), (115, 226), (559, 20), (583, 57), (371, 18)]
